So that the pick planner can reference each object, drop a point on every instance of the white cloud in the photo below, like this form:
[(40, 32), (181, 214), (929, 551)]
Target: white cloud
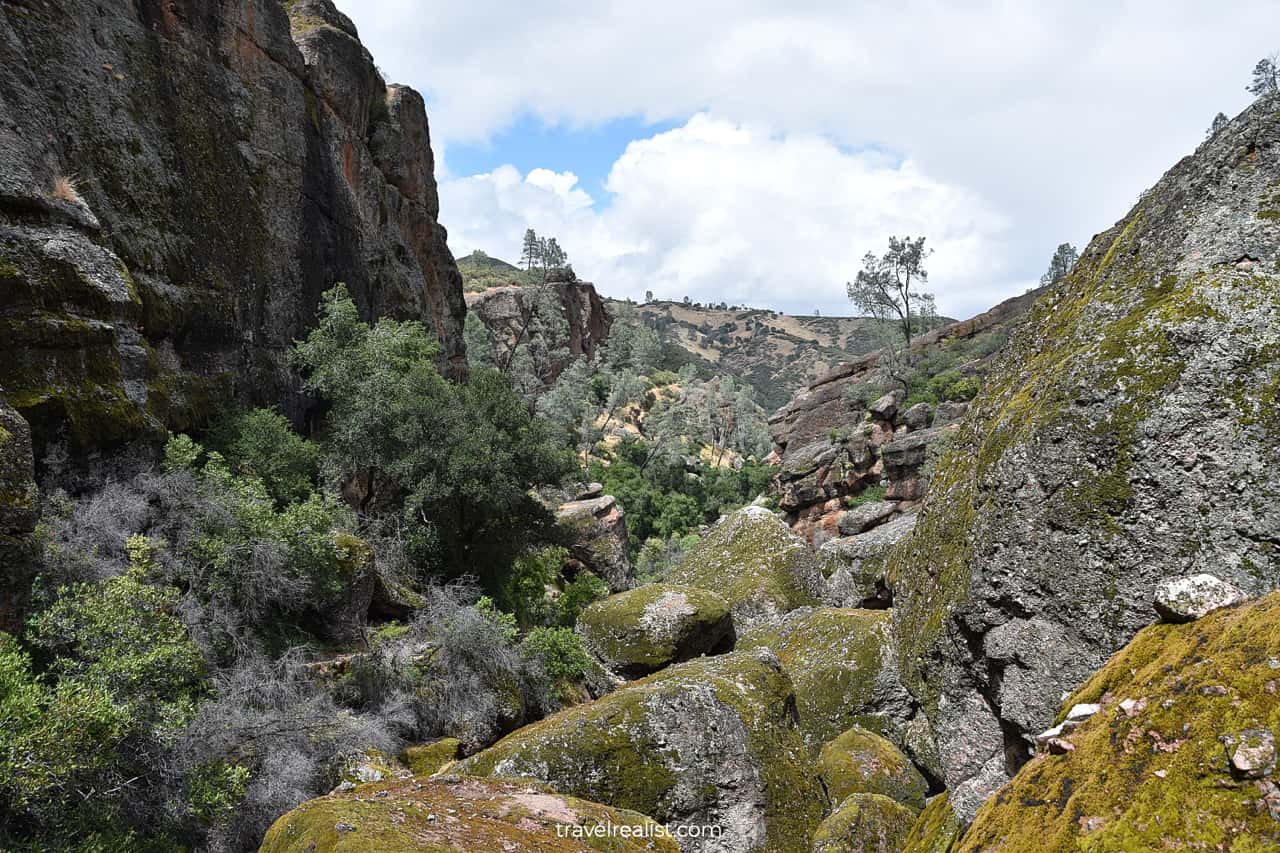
[(1058, 113), (721, 211)]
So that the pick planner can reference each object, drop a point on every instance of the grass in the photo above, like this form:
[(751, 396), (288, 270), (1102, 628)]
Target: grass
[(67, 188)]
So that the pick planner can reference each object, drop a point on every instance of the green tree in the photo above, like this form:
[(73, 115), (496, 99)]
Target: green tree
[(531, 251), (1219, 122), (1266, 76), (459, 460), (1060, 265), (889, 288)]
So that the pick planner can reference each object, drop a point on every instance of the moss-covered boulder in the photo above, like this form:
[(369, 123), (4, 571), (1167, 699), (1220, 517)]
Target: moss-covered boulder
[(1152, 770), (754, 560), (710, 742), (861, 762), (936, 830), (865, 823), (639, 632), (427, 758), (844, 668), (456, 815), (1129, 433)]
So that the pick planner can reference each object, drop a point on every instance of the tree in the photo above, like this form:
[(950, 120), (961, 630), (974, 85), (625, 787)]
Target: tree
[(1063, 261), (457, 461), (530, 254), (1219, 122), (1266, 76), (888, 287), (555, 258), (648, 296)]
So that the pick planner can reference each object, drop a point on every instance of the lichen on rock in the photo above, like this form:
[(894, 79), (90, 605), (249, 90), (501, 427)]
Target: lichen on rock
[(844, 667), (862, 762), (706, 742), (756, 563), (1154, 767), (864, 823), (1118, 442), (456, 815), (639, 632)]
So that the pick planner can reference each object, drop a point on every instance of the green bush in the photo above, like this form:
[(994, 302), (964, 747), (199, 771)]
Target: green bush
[(262, 444), (559, 651)]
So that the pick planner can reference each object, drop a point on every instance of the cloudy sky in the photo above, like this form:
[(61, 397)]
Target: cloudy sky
[(752, 152)]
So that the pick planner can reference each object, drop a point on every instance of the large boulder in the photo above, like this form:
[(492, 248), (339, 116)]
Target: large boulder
[(844, 668), (1129, 434), (178, 185), (760, 567), (456, 815), (639, 632), (865, 823), (1180, 755), (711, 742), (856, 566), (598, 532), (862, 762)]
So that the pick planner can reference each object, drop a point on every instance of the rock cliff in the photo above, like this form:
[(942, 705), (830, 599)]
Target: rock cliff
[(179, 182), (1127, 435)]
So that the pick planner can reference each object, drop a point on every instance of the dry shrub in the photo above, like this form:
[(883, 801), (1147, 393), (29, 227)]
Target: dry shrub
[(67, 188)]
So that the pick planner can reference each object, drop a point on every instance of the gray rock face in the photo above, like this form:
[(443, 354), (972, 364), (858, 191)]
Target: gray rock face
[(864, 517), (1187, 599), (854, 566), (232, 160), (600, 539), (1127, 436)]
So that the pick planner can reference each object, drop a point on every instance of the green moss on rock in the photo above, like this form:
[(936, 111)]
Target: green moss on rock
[(865, 823), (427, 758), (860, 762), (710, 741), (640, 631), (844, 668), (756, 563), (1153, 773), (457, 816), (936, 830)]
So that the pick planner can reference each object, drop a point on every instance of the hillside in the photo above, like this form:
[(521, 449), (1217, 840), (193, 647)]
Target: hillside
[(777, 354)]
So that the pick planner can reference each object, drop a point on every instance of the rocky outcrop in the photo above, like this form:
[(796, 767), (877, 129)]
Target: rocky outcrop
[(179, 182), (1180, 754), (844, 668), (756, 563), (456, 815), (833, 443), (582, 327), (639, 632), (1127, 436), (598, 539), (711, 742), (856, 566)]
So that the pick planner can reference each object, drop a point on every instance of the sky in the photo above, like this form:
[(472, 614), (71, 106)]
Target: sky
[(753, 152)]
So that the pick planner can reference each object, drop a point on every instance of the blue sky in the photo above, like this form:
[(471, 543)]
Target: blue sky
[(753, 151)]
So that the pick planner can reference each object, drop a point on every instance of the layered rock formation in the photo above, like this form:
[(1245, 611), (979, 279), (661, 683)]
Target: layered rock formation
[(1128, 435), (833, 442), (179, 182)]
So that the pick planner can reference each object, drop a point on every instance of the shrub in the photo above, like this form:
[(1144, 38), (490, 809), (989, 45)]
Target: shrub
[(559, 651), (261, 443)]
